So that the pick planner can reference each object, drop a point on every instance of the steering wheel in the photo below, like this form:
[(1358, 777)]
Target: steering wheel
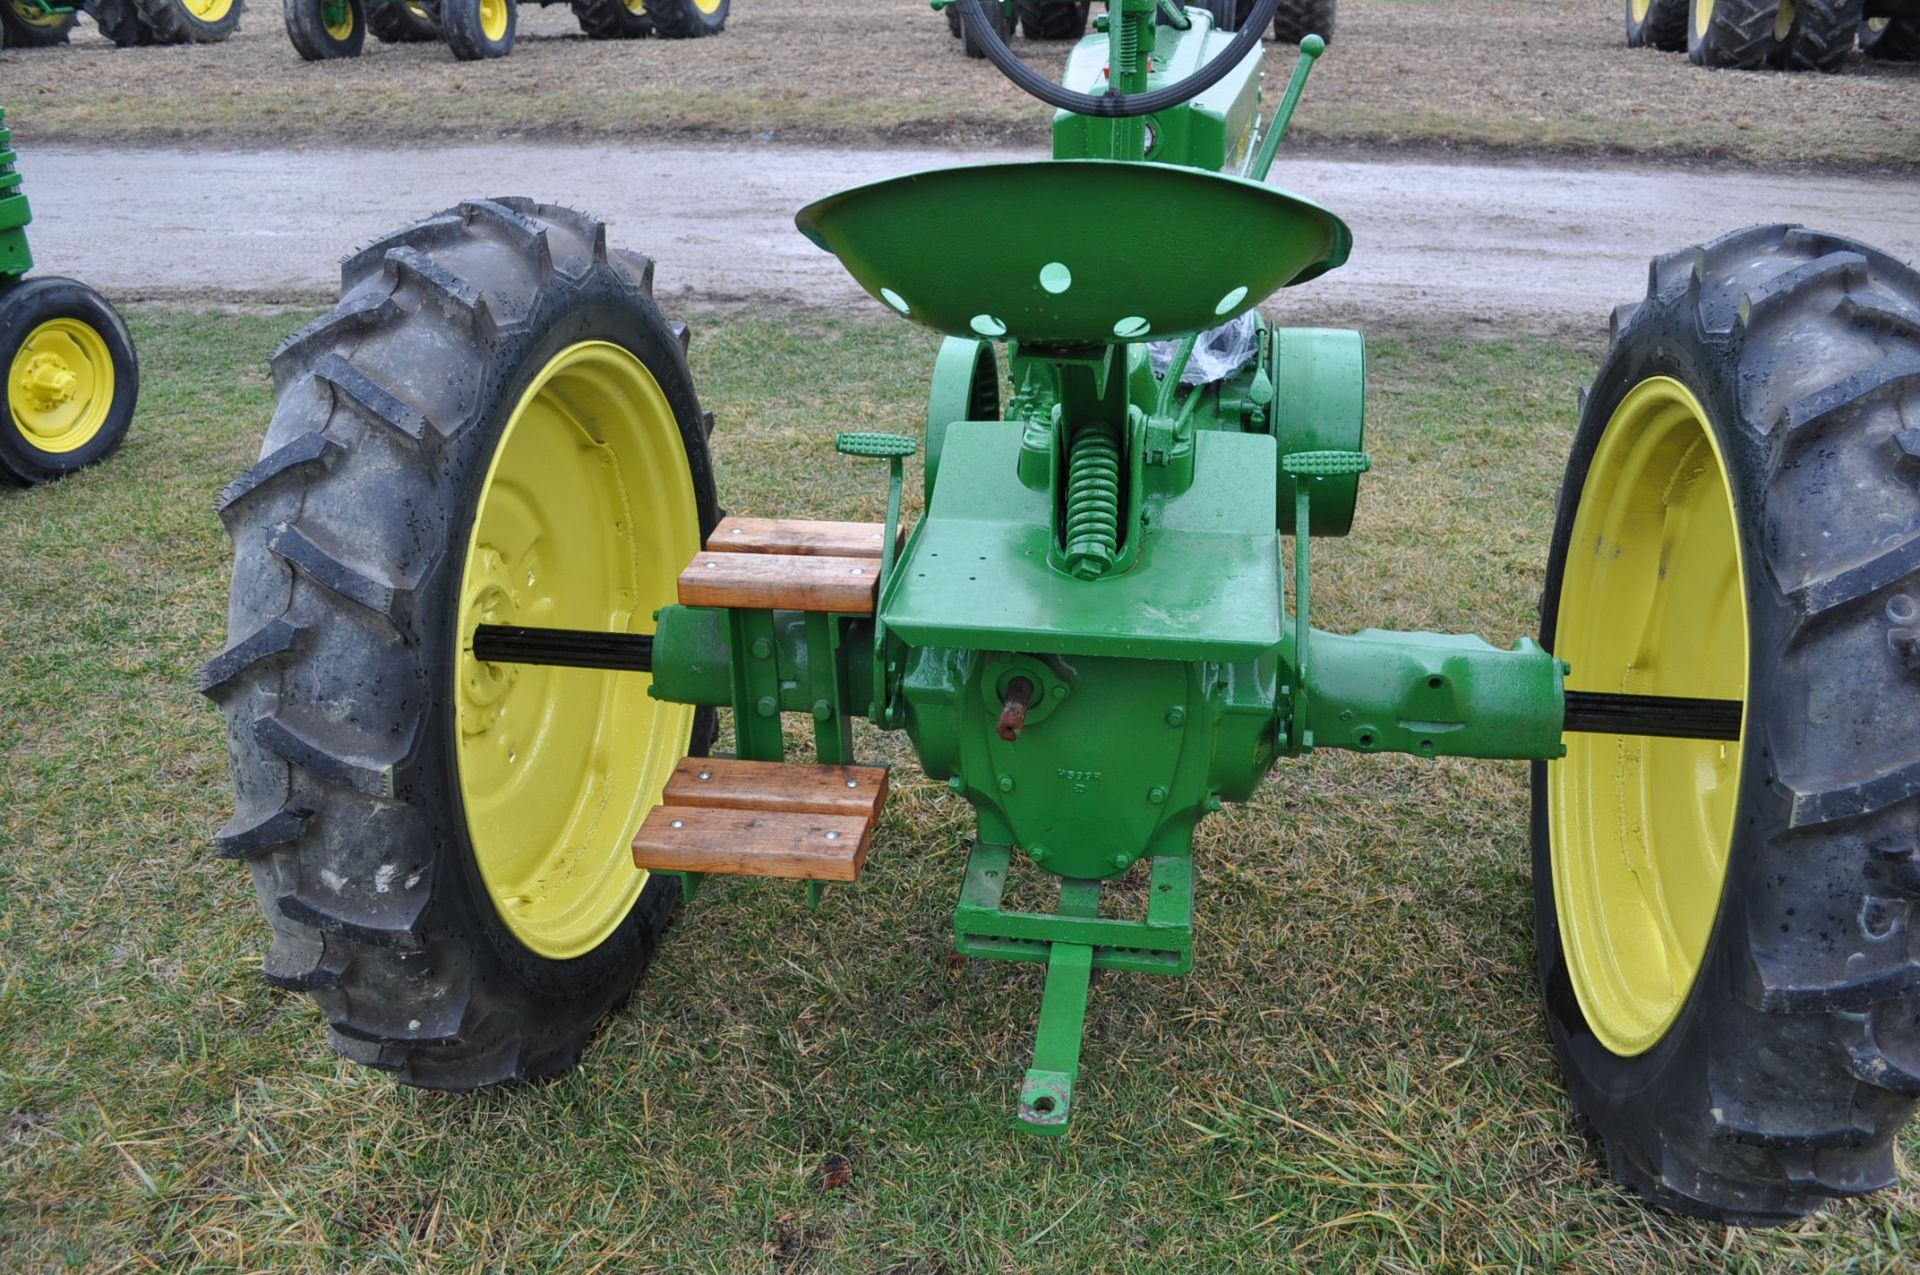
[(1110, 104)]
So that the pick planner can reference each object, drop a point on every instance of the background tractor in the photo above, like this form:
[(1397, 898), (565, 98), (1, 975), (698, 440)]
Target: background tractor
[(476, 29), (71, 375), (32, 23), (486, 612), (1795, 35)]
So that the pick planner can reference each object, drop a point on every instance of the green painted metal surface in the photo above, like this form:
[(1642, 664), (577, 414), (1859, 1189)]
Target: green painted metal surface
[(1210, 132), (978, 573), (15, 259), (1219, 246)]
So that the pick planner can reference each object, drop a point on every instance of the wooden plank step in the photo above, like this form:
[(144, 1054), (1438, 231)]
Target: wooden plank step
[(799, 846), (799, 536), (779, 787), (780, 581)]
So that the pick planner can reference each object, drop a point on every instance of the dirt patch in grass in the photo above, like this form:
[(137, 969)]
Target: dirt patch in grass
[(1355, 1078), (1511, 76)]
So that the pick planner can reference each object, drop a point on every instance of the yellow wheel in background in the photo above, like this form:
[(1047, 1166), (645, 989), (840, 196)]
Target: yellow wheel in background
[(69, 376), (688, 19), (1652, 602), (586, 516)]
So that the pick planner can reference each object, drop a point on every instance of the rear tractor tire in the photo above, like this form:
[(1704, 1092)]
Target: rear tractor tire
[(495, 425), (120, 22), (405, 22), (1297, 19), (190, 21), (25, 25), (1820, 35), (1657, 24), (1044, 20), (1739, 35), (613, 19), (1891, 39), (325, 29), (1726, 931), (72, 379), (688, 19)]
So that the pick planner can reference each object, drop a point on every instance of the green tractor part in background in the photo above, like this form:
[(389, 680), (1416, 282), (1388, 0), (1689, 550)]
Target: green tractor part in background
[(1794, 35), (71, 375), (476, 29), (486, 612), (38, 23)]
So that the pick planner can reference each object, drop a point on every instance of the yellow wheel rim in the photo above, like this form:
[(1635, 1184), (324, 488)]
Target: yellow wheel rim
[(34, 16), (342, 29), (708, 7), (215, 10), (1783, 19), (586, 516), (637, 7), (1652, 602), (60, 385), (1640, 8), (493, 18), (419, 11), (1702, 17)]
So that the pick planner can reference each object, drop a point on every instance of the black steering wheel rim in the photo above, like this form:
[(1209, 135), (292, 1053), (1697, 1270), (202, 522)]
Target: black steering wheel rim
[(1111, 105)]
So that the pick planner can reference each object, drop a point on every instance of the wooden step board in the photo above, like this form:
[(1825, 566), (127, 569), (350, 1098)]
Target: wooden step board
[(763, 819), (787, 564)]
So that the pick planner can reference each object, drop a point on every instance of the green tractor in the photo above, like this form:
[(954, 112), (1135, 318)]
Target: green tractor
[(477, 29), (71, 374), (40, 23), (1794, 35), (486, 612)]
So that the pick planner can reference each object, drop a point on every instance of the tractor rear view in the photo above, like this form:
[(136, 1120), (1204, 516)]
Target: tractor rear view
[(486, 612), (479, 29), (1793, 35)]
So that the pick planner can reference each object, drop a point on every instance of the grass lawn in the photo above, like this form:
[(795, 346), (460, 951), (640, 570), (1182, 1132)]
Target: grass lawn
[(1355, 1077)]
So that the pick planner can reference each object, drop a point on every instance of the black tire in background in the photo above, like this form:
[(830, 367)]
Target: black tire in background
[(1891, 39), (408, 22), (686, 19), (611, 20), (172, 22), (1297, 19), (1657, 24), (120, 22), (1051, 19), (1821, 35), (307, 29), (350, 538), (996, 15), (1740, 35), (24, 307), (463, 26), (1795, 1058), (27, 26)]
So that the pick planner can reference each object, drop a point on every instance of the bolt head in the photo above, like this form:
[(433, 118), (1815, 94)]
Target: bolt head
[(1038, 853), (1176, 716), (822, 710), (762, 648), (1006, 783), (1157, 795), (1121, 860), (766, 707)]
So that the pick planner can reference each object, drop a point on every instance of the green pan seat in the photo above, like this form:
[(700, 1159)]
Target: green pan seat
[(1074, 252)]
